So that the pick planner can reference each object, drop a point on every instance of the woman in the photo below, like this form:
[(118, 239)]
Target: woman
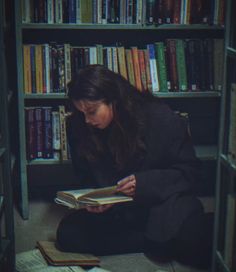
[(118, 135)]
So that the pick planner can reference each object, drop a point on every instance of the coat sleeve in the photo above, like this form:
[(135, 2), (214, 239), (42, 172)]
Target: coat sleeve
[(174, 167)]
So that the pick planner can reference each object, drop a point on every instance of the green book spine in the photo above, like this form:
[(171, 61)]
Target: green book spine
[(161, 60), (181, 65)]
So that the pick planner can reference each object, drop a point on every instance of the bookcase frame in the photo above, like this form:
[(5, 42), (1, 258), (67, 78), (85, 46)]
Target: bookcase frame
[(117, 32), (7, 253), (226, 168)]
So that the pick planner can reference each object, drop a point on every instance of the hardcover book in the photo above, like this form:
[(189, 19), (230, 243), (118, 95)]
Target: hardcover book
[(59, 258), (79, 199)]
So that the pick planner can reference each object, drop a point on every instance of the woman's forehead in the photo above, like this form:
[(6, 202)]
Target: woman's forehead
[(88, 104)]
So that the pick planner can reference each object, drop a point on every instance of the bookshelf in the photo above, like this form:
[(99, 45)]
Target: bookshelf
[(7, 254), (224, 249), (202, 105)]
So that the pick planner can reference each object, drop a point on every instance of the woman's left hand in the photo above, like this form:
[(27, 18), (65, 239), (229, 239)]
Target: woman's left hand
[(98, 209), (127, 185)]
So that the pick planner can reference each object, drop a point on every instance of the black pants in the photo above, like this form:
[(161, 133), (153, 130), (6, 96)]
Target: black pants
[(115, 233)]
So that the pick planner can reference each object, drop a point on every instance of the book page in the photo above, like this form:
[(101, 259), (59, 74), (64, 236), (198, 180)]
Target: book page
[(33, 261)]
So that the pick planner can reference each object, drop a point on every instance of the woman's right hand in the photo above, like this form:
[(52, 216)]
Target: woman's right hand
[(98, 209)]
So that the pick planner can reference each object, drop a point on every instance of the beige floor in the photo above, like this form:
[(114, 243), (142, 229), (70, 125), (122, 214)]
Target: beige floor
[(42, 225)]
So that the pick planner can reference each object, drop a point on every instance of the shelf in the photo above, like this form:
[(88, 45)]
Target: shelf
[(48, 162), (46, 96), (202, 152), (231, 52), (206, 152), (228, 162), (221, 262), (188, 94), (161, 94), (121, 26)]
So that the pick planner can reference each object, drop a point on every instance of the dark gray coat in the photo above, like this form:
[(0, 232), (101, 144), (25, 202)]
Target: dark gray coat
[(166, 176)]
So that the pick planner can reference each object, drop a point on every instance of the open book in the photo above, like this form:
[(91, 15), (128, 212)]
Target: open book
[(78, 199)]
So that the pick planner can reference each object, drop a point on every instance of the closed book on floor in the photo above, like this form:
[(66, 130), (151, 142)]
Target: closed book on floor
[(59, 258)]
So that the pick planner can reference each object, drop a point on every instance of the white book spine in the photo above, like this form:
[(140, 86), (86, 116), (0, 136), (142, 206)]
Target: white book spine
[(153, 68)]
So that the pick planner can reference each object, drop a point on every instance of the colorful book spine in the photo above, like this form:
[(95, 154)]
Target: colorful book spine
[(162, 69), (122, 61), (27, 69), (142, 65), (136, 66), (130, 67)]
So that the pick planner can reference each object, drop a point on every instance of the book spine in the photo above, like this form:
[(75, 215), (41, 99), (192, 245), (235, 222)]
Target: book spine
[(122, 62), (39, 132), (181, 65), (159, 14), (46, 62), (78, 11), (47, 130), (63, 133), (50, 12), (60, 68), (56, 135), (72, 11), (142, 66), (153, 68), (33, 67), (67, 58), (39, 68), (150, 12), (99, 53), (58, 11), (27, 69), (177, 12), (114, 60), (218, 60), (172, 64), (130, 68), (148, 75), (161, 59), (30, 133), (136, 66), (169, 8)]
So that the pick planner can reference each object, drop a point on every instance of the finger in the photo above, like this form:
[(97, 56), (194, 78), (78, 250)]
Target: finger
[(125, 180)]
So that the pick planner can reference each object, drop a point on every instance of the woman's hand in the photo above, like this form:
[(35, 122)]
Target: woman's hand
[(98, 209), (127, 185)]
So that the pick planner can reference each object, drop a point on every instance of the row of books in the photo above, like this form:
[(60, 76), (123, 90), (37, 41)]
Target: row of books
[(174, 65), (124, 12), (46, 133)]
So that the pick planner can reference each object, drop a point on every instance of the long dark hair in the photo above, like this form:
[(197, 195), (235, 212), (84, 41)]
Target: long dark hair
[(125, 137)]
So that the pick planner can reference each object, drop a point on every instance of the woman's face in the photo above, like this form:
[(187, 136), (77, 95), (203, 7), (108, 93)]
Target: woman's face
[(97, 113)]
